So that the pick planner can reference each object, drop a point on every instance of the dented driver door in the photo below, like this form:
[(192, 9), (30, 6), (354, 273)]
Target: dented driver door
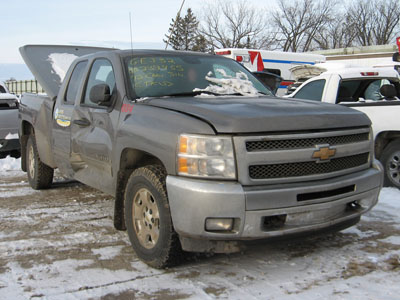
[(92, 131)]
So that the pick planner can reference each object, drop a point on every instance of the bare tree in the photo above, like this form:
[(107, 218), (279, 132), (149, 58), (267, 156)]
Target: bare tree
[(300, 25), (375, 22), (336, 34), (361, 18), (387, 24), (299, 21), (227, 24)]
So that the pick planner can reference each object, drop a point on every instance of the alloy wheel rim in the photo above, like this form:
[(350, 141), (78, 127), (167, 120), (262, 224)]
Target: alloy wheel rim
[(394, 168), (146, 218), (31, 162)]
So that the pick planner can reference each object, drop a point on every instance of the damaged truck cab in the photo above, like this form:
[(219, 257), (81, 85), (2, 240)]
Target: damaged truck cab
[(196, 151)]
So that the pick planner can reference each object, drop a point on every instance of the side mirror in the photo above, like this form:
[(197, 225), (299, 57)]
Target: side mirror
[(270, 80), (100, 94)]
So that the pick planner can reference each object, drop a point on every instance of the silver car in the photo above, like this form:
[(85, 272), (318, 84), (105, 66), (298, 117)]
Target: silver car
[(9, 141)]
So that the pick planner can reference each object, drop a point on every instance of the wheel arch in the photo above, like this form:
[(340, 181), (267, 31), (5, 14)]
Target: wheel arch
[(26, 130), (383, 139), (130, 160)]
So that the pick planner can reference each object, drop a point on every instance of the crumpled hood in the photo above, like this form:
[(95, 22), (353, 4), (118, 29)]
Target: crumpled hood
[(263, 114), (50, 63)]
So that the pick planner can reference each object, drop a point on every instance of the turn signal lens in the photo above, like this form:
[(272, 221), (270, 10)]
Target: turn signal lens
[(183, 144), (182, 165)]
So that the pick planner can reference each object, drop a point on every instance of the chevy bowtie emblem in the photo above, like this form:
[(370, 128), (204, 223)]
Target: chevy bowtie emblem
[(324, 153)]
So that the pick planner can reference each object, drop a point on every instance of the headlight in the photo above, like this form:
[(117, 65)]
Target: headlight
[(206, 156)]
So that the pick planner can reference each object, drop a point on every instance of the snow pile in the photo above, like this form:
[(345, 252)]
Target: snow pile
[(60, 63), (10, 164), (390, 197), (230, 85)]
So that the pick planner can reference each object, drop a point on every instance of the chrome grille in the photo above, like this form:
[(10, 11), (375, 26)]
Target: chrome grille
[(304, 143), (307, 168), (291, 157)]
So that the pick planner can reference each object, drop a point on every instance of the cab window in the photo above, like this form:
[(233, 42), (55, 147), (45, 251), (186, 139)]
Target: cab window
[(311, 91), (100, 73), (363, 89), (75, 82)]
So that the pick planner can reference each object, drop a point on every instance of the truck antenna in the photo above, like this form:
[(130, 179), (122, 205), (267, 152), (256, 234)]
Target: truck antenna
[(130, 27), (173, 26)]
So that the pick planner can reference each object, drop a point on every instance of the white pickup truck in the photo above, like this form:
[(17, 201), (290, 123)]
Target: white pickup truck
[(374, 91)]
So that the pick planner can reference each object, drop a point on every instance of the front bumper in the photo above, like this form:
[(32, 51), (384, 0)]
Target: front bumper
[(303, 207)]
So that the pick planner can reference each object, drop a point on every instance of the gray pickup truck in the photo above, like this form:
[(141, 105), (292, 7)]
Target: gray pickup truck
[(196, 151)]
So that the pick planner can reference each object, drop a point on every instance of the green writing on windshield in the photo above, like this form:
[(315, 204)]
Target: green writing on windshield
[(154, 71)]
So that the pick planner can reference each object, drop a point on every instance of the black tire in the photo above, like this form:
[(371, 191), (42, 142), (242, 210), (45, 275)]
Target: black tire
[(40, 176), (148, 218), (390, 159)]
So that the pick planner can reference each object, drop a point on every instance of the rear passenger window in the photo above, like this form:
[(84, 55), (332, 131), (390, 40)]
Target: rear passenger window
[(75, 82), (373, 92), (312, 90)]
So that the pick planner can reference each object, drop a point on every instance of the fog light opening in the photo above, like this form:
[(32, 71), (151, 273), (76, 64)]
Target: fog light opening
[(219, 224), (355, 205), (274, 222)]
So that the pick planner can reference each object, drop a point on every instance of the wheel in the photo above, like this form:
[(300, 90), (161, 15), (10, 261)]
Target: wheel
[(40, 176), (148, 218), (391, 162)]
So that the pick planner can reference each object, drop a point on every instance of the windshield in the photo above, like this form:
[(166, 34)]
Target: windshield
[(169, 75), (2, 89)]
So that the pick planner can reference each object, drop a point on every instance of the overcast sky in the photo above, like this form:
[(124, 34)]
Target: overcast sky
[(89, 22)]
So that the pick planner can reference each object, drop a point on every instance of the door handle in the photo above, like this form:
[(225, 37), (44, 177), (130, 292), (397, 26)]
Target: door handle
[(82, 122)]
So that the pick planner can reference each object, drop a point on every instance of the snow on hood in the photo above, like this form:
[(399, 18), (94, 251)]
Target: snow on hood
[(229, 85), (12, 136), (7, 96), (60, 63)]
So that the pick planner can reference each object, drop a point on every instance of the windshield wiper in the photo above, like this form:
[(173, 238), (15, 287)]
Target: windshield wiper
[(191, 94), (196, 93)]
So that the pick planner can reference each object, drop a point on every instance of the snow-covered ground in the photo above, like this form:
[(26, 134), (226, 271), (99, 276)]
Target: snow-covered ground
[(10, 166), (60, 244)]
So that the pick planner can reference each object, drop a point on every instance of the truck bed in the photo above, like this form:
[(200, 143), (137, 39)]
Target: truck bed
[(37, 109)]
